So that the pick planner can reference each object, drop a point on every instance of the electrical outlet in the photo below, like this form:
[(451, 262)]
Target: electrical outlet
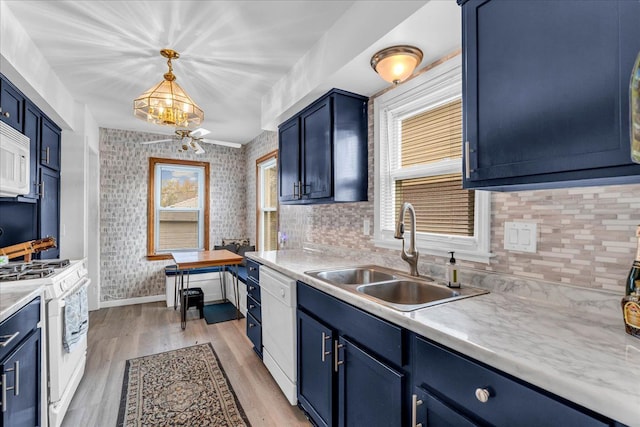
[(366, 225), (521, 236)]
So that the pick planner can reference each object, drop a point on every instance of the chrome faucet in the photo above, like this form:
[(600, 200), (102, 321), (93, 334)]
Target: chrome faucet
[(412, 256)]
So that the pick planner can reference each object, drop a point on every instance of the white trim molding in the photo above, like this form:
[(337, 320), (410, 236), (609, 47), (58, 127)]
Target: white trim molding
[(438, 86)]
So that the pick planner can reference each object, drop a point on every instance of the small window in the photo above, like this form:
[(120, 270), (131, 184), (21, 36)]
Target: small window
[(178, 211), (418, 138), (267, 202)]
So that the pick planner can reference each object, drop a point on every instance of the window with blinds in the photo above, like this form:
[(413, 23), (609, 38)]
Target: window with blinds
[(441, 205)]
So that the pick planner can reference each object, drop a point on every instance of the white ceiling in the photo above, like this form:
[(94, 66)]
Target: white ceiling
[(232, 53)]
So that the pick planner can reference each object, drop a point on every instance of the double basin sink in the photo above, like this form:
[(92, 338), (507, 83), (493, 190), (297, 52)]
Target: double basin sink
[(393, 289)]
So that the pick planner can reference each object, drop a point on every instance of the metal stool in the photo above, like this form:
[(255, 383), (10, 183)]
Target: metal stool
[(194, 298)]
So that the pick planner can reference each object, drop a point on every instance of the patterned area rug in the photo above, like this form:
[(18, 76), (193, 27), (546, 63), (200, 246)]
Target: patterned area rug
[(184, 387)]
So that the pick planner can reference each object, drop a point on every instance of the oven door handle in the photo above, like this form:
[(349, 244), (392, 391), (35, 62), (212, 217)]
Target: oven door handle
[(59, 303)]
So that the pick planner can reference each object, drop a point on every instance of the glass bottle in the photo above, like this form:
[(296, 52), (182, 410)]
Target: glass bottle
[(634, 109), (631, 300)]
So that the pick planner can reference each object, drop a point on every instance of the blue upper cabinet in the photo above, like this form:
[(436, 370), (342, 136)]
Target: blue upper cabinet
[(323, 151), (11, 105), (546, 92)]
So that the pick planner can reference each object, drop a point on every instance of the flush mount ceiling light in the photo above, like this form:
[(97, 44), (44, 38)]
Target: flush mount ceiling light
[(167, 103), (395, 64)]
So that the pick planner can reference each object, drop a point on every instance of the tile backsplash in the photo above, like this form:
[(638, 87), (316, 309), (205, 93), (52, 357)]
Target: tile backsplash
[(585, 235), (124, 269)]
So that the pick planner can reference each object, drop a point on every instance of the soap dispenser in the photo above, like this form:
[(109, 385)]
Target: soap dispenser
[(452, 273)]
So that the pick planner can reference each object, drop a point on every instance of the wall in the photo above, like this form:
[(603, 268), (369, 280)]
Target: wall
[(263, 144), (586, 235), (124, 270)]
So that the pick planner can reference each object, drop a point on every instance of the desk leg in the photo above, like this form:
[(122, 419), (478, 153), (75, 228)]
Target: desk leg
[(183, 300), (235, 289)]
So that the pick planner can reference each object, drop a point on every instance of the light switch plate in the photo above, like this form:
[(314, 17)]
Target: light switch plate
[(521, 236)]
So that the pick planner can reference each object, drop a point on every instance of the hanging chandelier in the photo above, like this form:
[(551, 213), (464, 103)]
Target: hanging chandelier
[(167, 103)]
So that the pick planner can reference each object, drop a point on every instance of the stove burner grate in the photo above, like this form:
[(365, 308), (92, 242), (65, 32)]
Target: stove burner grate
[(37, 269)]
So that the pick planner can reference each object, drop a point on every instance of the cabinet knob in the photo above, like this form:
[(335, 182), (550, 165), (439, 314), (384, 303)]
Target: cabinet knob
[(251, 306), (483, 394), (251, 288), (6, 114), (251, 325)]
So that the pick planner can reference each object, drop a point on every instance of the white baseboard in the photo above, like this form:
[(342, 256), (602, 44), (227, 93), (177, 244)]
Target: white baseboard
[(131, 301)]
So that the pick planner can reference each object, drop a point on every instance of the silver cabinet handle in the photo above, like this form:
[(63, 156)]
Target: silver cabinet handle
[(252, 269), (325, 337), (295, 194), (336, 347), (415, 402), (16, 378), (483, 395), (46, 156), (252, 288), (251, 306), (41, 193), (467, 172), (8, 338), (251, 325)]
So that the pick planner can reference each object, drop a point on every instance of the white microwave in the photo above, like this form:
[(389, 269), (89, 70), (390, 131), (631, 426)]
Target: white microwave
[(14, 162)]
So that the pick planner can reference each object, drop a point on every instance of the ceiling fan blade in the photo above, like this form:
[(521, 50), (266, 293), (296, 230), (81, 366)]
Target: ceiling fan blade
[(223, 143), (156, 141), (200, 132)]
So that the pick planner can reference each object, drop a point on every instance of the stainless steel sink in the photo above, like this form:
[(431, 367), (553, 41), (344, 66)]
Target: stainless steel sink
[(397, 290), (353, 276)]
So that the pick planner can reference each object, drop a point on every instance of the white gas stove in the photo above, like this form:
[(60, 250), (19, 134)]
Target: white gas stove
[(62, 281)]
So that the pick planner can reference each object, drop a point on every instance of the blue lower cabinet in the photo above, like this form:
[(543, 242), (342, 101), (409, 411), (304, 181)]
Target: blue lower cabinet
[(429, 411), (315, 369), (254, 332), (369, 392), (21, 371)]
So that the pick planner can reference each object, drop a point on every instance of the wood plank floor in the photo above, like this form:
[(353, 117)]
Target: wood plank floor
[(121, 333)]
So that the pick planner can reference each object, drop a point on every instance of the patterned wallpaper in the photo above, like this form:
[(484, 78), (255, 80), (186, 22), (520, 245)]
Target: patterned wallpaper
[(585, 235), (125, 271)]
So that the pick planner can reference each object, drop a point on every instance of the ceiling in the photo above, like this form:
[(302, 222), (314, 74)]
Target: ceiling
[(232, 53)]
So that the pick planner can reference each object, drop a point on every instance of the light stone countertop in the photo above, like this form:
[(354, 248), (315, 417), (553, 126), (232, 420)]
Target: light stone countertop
[(576, 354), (14, 298)]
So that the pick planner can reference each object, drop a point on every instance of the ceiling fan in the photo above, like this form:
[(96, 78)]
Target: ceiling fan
[(191, 140)]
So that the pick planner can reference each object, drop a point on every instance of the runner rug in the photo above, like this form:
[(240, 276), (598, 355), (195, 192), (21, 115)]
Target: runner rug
[(184, 387)]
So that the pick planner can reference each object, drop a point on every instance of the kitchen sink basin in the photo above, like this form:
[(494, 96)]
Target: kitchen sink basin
[(353, 276), (391, 288)]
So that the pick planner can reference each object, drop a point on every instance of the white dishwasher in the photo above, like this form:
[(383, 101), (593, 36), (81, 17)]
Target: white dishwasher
[(278, 294)]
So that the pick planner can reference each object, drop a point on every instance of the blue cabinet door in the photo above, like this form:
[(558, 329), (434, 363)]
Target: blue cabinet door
[(49, 210), (21, 371), (370, 392), (289, 161), (315, 369), (316, 167), (32, 118), (50, 145), (429, 411), (546, 91), (11, 105)]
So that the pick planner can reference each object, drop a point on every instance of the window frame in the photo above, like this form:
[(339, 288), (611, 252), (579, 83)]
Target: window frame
[(271, 157), (436, 86), (151, 207)]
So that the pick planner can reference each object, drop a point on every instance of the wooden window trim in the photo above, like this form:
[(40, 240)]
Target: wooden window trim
[(151, 253), (271, 155)]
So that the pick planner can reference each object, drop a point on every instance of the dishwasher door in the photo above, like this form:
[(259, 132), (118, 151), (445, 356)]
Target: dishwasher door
[(279, 329)]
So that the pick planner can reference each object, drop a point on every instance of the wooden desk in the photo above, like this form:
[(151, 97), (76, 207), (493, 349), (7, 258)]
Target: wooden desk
[(186, 261)]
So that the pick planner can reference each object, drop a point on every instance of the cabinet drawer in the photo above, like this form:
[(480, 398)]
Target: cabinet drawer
[(253, 270), (18, 326), (253, 307), (510, 403), (374, 333), (253, 289), (254, 332)]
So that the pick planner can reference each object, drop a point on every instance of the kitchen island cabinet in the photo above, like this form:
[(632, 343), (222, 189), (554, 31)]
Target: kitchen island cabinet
[(323, 151), (546, 92)]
